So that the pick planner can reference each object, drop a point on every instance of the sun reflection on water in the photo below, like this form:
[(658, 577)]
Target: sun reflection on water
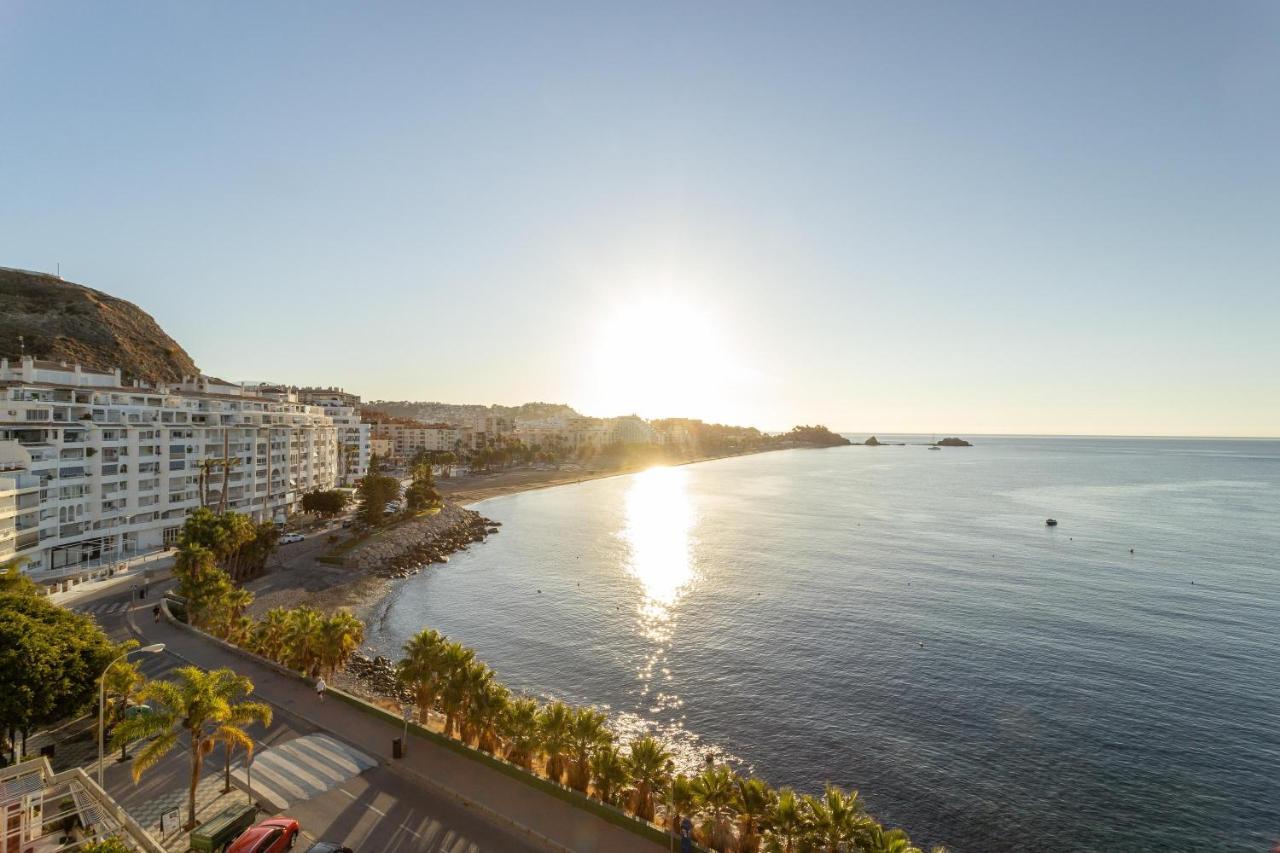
[(659, 538), (659, 523)]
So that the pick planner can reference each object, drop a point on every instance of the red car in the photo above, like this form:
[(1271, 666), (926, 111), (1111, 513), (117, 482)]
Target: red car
[(270, 836)]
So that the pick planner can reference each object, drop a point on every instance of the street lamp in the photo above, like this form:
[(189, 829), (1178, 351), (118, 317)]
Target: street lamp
[(152, 649)]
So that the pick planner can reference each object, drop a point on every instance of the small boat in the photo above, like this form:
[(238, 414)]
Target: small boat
[(1051, 522), (934, 447)]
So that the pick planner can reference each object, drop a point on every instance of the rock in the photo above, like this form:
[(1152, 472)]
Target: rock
[(872, 442)]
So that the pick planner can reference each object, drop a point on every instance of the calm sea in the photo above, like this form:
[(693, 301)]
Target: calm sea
[(901, 621)]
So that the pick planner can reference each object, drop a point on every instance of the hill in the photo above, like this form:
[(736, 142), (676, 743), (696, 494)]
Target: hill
[(63, 321)]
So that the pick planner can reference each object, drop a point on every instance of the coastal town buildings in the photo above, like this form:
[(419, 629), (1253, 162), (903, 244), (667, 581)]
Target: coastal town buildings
[(406, 440), (354, 445), (93, 470)]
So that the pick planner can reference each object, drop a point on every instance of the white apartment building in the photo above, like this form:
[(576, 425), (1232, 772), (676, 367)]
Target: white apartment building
[(407, 439), (96, 471), (353, 435)]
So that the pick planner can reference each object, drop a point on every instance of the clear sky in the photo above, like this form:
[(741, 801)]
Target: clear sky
[(932, 217)]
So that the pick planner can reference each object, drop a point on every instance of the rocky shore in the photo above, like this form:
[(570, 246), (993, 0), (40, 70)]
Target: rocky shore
[(372, 677), (410, 546)]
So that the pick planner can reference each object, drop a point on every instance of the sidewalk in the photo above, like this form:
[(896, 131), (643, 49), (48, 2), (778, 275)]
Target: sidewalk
[(159, 564), (546, 820)]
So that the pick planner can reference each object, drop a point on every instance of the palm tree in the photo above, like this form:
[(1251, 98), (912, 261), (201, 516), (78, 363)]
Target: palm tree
[(207, 707), (715, 790), (608, 772), (650, 767), (753, 801), (520, 727), (122, 683), (227, 620), (422, 670), (877, 839), (454, 658), (586, 732), (680, 801), (340, 635), (460, 688), (786, 820), (554, 722), (488, 708), (271, 633), (302, 640), (836, 817)]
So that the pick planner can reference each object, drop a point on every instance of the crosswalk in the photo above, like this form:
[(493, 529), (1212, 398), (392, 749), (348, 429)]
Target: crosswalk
[(300, 769), (105, 608)]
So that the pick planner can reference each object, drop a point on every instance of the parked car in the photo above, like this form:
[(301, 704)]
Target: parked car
[(271, 836), (290, 538), (328, 847)]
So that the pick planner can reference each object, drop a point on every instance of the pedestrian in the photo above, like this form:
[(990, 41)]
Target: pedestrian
[(144, 590), (133, 591), (155, 613), (320, 688)]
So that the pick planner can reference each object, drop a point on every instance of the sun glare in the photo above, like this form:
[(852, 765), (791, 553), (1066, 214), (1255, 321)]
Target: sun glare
[(659, 357)]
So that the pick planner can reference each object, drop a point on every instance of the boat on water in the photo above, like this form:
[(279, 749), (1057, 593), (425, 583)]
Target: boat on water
[(1051, 522), (934, 447)]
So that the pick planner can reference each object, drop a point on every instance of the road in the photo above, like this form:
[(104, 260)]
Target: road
[(377, 810)]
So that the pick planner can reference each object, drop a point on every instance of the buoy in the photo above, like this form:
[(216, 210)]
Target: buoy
[(539, 592), (1130, 550)]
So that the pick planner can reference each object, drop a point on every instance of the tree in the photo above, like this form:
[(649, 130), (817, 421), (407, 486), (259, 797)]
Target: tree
[(714, 790), (680, 801), (205, 707), (340, 635), (213, 601), (375, 492), (302, 644), (753, 802), (50, 662), (455, 659), (554, 722), (121, 684), (487, 709), (239, 546), (270, 634), (586, 733), (836, 817), (326, 503), (608, 772), (110, 844), (649, 764), (422, 493), (786, 820), (520, 726), (421, 670)]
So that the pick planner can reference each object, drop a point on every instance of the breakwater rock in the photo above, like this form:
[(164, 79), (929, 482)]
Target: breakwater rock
[(408, 547), (376, 676)]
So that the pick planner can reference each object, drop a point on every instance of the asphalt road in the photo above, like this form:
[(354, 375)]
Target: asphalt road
[(377, 810)]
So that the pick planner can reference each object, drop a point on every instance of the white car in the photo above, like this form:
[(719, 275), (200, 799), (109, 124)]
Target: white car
[(290, 538)]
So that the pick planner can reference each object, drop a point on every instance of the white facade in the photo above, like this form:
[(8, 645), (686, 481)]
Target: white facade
[(118, 468), (353, 436)]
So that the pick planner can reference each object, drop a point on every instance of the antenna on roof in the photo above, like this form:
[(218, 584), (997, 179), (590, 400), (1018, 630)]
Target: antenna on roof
[(59, 269)]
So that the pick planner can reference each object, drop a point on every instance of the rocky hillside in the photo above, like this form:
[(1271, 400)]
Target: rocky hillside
[(63, 321)]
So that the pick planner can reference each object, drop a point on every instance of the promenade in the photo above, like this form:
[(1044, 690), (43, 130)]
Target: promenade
[(544, 821)]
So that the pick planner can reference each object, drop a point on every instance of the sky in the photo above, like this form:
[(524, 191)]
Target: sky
[(931, 217)]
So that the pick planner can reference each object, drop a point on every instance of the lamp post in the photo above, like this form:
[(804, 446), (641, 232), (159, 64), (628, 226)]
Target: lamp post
[(155, 648)]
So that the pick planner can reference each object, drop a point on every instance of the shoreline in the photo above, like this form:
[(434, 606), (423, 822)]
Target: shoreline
[(523, 480), (364, 592)]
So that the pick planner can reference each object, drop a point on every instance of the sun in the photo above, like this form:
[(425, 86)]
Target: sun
[(658, 356)]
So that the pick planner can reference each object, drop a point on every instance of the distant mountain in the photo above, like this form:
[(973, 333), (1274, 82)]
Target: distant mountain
[(452, 412), (63, 321)]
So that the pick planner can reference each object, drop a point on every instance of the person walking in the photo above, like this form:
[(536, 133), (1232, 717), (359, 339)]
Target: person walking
[(155, 613), (320, 688)]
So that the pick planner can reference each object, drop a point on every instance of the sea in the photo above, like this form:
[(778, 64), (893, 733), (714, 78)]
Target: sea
[(902, 621)]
